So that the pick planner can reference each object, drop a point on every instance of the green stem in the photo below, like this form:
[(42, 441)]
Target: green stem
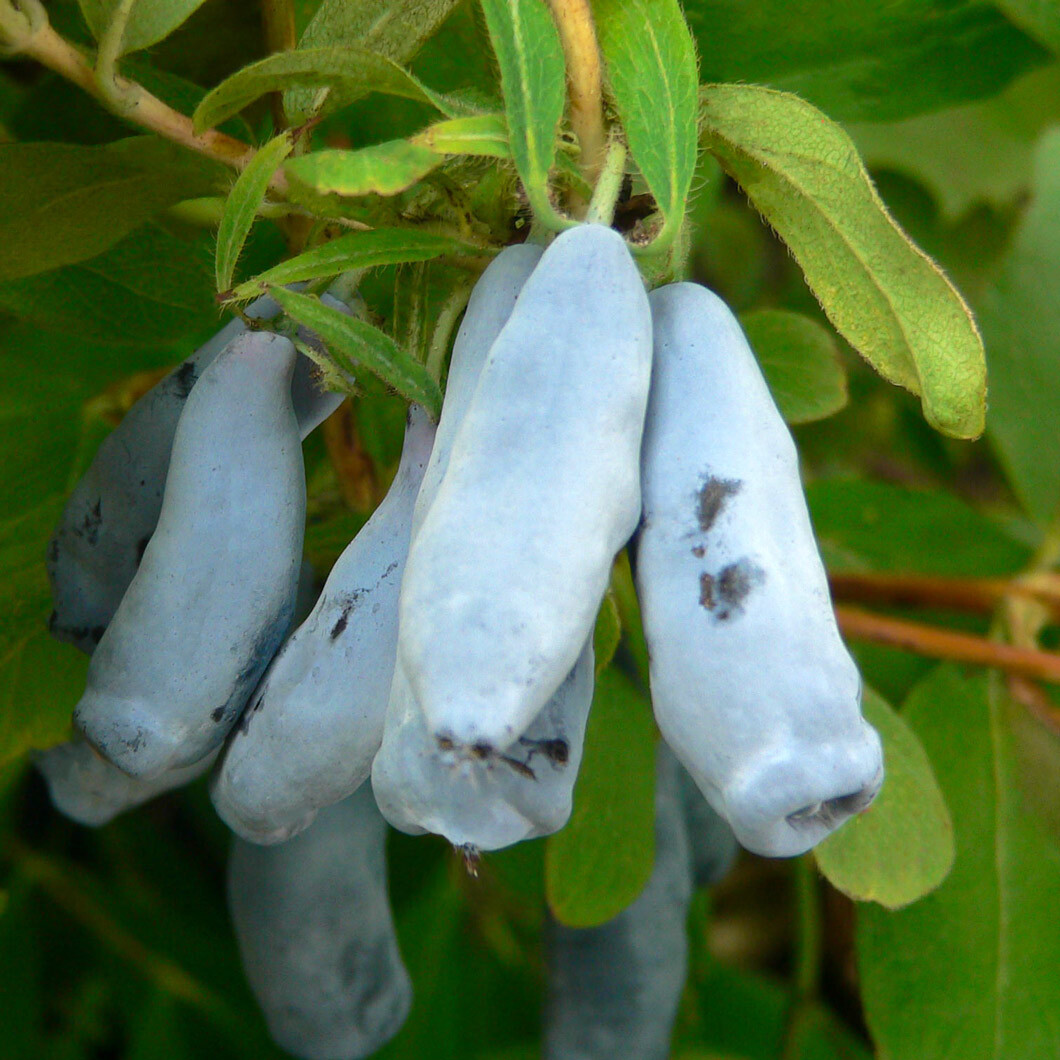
[(110, 50), (443, 329), (608, 187), (806, 977)]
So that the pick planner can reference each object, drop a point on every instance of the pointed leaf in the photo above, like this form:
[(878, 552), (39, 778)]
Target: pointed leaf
[(382, 169), (901, 847), (350, 70), (882, 293), (354, 345), (651, 65), (530, 57), (481, 134), (242, 206), (602, 860), (799, 359), (970, 970), (357, 250)]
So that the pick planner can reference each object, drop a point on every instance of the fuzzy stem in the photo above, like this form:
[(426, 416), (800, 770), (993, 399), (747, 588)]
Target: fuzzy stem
[(574, 20), (608, 187)]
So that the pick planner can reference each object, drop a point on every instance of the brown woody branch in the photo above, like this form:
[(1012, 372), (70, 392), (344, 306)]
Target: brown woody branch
[(946, 644)]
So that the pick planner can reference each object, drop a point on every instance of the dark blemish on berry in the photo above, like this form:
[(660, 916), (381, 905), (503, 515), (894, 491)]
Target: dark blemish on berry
[(133, 744), (519, 767), (711, 499), (244, 722), (444, 743), (556, 751), (699, 551), (53, 550), (706, 591), (218, 714), (89, 528), (733, 585), (340, 625), (481, 751), (185, 378)]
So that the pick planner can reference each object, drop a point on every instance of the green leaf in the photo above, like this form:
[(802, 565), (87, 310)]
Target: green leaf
[(607, 632), (969, 971), (62, 203), (980, 152), (1040, 18), (602, 860), (484, 135), (879, 526), (349, 71), (383, 169), (1021, 322), (863, 62), (355, 344), (149, 21), (901, 847), (800, 362), (242, 206), (651, 65), (396, 29), (882, 293), (356, 250), (151, 287), (530, 57)]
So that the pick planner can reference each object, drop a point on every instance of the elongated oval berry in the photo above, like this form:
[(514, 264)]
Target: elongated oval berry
[(488, 310), (751, 684), (476, 797), (506, 573), (90, 790), (316, 936), (315, 722), (215, 590), (112, 512), (613, 990)]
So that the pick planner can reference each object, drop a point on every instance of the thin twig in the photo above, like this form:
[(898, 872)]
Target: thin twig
[(574, 19), (946, 644), (139, 106), (928, 590)]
